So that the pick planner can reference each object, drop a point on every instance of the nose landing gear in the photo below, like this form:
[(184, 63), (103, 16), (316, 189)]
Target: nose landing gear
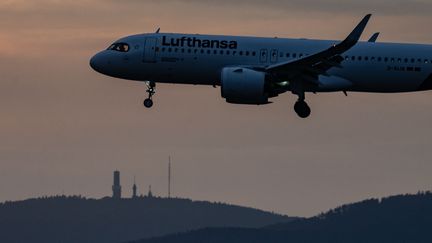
[(148, 103)]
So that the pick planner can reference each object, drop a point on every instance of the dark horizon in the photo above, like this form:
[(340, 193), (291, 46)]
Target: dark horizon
[(112, 220), (399, 218)]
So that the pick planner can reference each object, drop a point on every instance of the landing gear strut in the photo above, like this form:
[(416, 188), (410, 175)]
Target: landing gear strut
[(148, 103), (301, 107)]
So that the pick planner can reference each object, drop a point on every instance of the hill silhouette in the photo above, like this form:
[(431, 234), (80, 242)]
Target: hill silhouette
[(404, 218), (76, 219)]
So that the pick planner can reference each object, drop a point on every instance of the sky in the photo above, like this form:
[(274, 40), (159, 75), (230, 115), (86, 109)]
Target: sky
[(65, 128)]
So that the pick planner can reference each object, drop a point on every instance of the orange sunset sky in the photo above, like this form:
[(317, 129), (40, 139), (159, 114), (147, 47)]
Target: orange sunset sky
[(64, 128)]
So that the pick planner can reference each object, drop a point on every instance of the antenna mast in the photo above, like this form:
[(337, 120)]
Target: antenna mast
[(169, 177)]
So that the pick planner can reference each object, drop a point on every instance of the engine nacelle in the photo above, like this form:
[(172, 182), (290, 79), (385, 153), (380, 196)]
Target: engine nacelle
[(244, 86)]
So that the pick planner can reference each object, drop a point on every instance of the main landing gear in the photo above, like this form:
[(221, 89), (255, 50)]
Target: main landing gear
[(301, 107), (148, 103)]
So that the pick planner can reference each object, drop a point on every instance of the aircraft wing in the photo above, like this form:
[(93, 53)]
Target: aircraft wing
[(319, 63)]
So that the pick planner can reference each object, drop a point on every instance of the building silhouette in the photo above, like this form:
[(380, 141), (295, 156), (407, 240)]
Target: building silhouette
[(134, 190), (116, 188), (150, 194)]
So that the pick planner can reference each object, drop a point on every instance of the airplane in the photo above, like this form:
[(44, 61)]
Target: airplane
[(251, 70)]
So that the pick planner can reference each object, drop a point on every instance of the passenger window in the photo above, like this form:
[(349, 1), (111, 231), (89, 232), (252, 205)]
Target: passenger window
[(353, 58), (294, 55), (215, 52), (182, 50), (281, 54), (379, 59), (227, 52), (412, 60), (288, 55), (169, 50), (399, 59), (253, 53), (189, 50), (221, 52), (241, 53), (347, 58), (386, 59), (366, 58), (208, 52), (406, 60), (392, 59), (359, 58), (301, 55), (202, 51), (426, 61), (247, 53)]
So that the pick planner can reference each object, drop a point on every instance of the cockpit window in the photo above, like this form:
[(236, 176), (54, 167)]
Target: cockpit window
[(121, 47)]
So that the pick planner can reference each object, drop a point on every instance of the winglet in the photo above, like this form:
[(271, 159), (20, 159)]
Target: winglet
[(374, 37), (355, 35), (326, 55)]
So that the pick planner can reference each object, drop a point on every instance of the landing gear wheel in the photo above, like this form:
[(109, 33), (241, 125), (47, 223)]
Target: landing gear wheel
[(148, 103), (302, 109), (151, 91)]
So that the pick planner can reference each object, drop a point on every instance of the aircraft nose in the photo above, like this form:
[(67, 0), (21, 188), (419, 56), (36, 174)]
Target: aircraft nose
[(96, 62)]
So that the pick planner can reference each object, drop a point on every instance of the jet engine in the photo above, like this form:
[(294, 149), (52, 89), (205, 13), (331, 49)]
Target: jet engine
[(244, 86)]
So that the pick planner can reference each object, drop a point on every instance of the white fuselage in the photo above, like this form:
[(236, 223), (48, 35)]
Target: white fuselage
[(199, 59)]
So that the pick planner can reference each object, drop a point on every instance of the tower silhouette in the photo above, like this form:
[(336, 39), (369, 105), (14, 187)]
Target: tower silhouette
[(150, 194), (134, 190), (116, 188)]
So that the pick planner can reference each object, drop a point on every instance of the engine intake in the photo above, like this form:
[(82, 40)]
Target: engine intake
[(244, 86)]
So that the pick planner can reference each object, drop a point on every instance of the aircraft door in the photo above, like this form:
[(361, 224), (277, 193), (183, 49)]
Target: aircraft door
[(263, 55), (274, 56), (150, 50)]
